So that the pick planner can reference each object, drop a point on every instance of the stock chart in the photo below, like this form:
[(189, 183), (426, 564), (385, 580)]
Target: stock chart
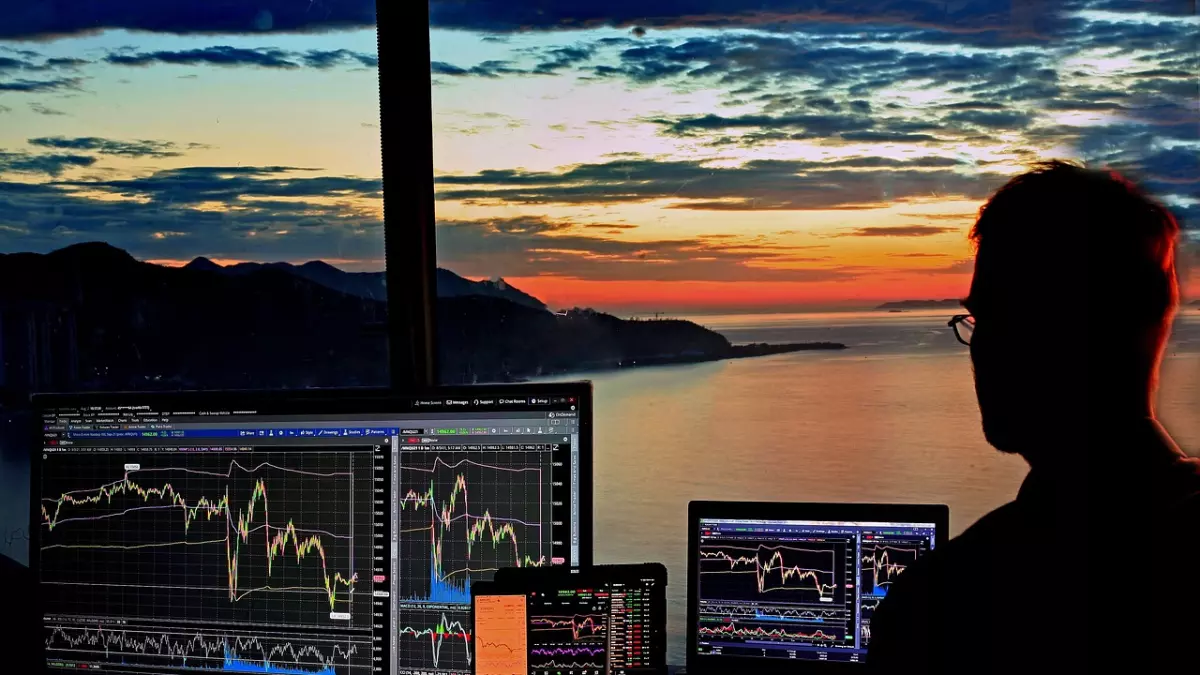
[(761, 590), (883, 559), (884, 562), (264, 652), (501, 637), (463, 514), (797, 588), (295, 534), (757, 570), (434, 638), (219, 560), (569, 636), (234, 537)]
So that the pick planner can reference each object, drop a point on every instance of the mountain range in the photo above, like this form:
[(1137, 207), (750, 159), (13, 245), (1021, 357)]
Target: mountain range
[(373, 285), (90, 316)]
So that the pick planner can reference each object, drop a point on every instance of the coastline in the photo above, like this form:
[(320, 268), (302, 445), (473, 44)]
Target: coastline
[(735, 352)]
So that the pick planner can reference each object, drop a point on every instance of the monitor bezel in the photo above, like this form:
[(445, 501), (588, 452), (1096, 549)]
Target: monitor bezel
[(326, 401), (698, 664)]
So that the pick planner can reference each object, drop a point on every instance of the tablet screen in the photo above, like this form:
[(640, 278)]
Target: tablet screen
[(593, 624), (500, 635)]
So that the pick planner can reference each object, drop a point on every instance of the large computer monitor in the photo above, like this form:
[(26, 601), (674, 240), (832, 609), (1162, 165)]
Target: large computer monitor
[(771, 584), (297, 535)]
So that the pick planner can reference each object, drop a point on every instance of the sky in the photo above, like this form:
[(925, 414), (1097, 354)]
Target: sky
[(248, 133), (682, 156)]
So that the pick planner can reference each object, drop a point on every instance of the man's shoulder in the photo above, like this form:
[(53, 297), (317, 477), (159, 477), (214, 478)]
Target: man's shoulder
[(997, 527)]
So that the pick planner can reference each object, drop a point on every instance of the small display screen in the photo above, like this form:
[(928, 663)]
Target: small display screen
[(798, 589), (581, 629)]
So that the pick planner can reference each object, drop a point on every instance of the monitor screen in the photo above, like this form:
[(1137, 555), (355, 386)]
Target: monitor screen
[(798, 589), (583, 626), (297, 536)]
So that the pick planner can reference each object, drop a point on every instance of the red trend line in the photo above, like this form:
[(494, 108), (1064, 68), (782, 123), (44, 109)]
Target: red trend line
[(444, 630), (775, 562), (577, 623), (777, 633), (276, 544)]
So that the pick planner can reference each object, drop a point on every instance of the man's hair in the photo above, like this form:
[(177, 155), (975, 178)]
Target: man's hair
[(1062, 235)]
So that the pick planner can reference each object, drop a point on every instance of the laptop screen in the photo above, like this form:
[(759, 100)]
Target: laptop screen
[(798, 589)]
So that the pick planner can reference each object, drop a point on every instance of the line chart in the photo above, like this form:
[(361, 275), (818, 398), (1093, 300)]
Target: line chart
[(751, 571), (235, 537), (568, 651), (771, 634), (500, 635), (434, 639), (465, 514), (775, 613), (210, 650), (882, 564), (579, 627), (568, 658)]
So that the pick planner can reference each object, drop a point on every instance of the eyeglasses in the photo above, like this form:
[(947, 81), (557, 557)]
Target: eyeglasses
[(964, 327)]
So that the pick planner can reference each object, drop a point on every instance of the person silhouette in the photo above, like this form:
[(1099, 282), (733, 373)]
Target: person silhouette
[(1070, 309)]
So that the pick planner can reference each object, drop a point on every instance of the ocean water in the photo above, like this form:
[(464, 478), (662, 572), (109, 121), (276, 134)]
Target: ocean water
[(892, 419)]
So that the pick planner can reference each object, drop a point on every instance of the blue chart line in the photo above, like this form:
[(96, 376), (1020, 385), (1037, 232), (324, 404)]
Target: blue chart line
[(236, 665)]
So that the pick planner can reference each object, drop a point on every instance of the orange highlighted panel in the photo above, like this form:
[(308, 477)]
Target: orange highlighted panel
[(500, 635)]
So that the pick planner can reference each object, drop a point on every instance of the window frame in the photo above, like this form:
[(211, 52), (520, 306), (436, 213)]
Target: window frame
[(410, 256)]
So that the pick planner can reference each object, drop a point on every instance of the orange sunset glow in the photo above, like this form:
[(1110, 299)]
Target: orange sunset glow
[(720, 162), (643, 159)]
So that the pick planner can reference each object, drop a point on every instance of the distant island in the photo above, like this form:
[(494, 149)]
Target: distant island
[(948, 303), (901, 305), (99, 319)]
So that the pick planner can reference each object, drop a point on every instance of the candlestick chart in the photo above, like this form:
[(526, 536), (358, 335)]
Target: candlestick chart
[(464, 515), (277, 537)]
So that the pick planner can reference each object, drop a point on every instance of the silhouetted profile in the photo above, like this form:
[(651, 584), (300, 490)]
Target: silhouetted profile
[(1071, 306)]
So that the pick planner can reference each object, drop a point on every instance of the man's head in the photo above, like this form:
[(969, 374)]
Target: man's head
[(1073, 296)]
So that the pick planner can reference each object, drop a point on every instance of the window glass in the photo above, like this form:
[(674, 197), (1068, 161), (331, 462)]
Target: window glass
[(190, 197), (779, 173)]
